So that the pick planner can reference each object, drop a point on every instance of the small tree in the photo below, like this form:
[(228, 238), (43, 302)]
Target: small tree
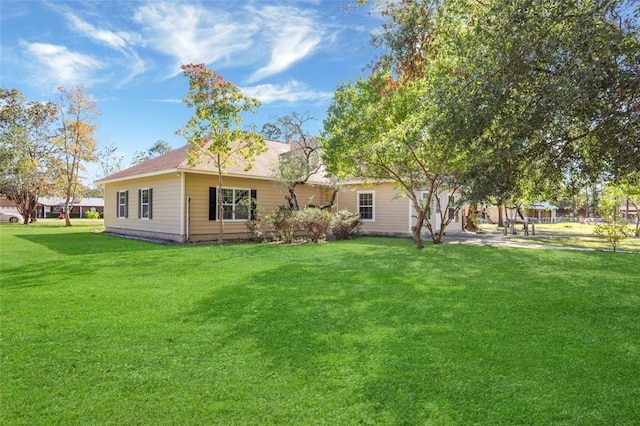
[(214, 130), (302, 162), (615, 228), (76, 144)]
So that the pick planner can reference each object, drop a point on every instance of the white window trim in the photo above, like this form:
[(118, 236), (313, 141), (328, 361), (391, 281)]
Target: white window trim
[(122, 216), (148, 204), (373, 205), (234, 205)]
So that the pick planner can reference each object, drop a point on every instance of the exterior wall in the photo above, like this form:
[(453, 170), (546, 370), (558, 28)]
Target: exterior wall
[(269, 196), (165, 207), (393, 214)]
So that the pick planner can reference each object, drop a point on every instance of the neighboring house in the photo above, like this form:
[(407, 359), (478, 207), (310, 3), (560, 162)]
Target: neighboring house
[(540, 211), (7, 205), (165, 198), (49, 207)]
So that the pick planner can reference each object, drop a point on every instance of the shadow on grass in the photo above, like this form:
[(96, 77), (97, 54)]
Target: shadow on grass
[(410, 337), (360, 330), (73, 256), (87, 244)]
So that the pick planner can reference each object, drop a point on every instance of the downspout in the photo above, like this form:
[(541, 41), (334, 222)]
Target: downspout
[(182, 207)]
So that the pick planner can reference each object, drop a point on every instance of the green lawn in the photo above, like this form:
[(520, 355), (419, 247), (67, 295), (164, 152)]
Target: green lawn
[(567, 234), (101, 330)]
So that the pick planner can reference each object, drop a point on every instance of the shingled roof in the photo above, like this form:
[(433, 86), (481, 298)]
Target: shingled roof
[(177, 161)]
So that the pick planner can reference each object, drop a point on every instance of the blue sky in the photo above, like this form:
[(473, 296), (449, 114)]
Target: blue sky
[(127, 54)]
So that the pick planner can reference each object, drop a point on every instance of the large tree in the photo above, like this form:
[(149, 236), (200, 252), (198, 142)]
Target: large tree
[(26, 129), (381, 130), (541, 88), (214, 130), (75, 143), (109, 160), (157, 149)]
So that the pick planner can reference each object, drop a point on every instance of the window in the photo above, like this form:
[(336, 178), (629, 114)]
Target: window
[(365, 205), (234, 204), (452, 210), (123, 202), (237, 204), (145, 197)]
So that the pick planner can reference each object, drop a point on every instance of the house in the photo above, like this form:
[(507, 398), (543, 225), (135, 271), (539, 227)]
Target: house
[(165, 198), (52, 207), (540, 212)]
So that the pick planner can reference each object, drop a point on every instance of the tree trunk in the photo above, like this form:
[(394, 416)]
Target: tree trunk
[(417, 237), (32, 208), (67, 219), (417, 228), (292, 198), (470, 224), (220, 208)]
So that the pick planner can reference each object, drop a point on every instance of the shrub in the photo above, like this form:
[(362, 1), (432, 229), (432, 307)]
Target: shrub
[(345, 224), (315, 221), (284, 223), (614, 232), (254, 227), (92, 215)]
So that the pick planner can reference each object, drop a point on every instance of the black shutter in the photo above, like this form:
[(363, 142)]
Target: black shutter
[(117, 203), (150, 203), (126, 204), (253, 213), (213, 207), (139, 203)]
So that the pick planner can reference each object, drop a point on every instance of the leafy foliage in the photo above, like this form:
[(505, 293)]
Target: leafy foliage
[(303, 160), (214, 131), (27, 157), (530, 93), (615, 228), (283, 221), (158, 148), (345, 224), (380, 130), (75, 142), (316, 222)]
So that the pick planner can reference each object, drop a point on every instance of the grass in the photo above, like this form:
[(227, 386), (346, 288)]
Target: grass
[(568, 234), (102, 330)]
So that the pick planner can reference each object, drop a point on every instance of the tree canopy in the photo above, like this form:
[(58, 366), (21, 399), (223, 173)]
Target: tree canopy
[(26, 152), (506, 98)]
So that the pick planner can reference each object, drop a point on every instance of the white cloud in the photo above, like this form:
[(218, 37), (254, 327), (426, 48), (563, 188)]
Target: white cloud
[(294, 35), (121, 41), (293, 91), (271, 37), (192, 34), (116, 40), (60, 66)]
